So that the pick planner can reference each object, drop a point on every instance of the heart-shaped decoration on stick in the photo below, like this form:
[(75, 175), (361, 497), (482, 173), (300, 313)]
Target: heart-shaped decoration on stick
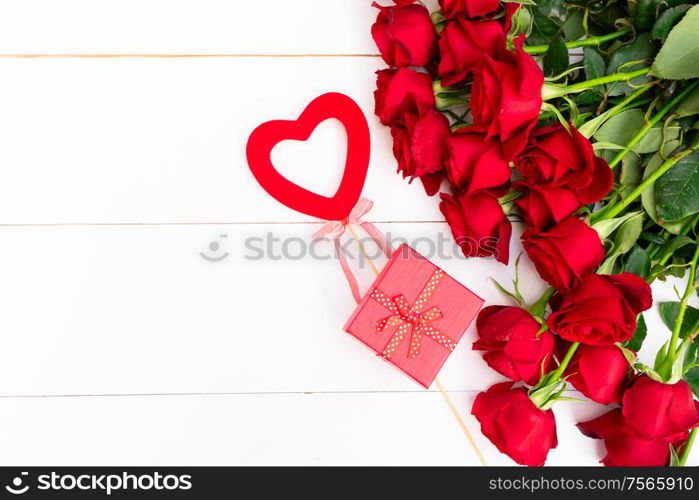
[(269, 134)]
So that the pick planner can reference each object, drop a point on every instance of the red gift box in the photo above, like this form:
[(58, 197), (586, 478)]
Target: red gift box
[(414, 315)]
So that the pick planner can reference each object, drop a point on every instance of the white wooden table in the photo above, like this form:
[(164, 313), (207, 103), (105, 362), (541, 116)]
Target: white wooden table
[(120, 343)]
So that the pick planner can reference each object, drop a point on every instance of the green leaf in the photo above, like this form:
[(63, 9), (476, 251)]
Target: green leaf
[(619, 129), (692, 378), (653, 238), (673, 245), (607, 267), (677, 190), (644, 15), (639, 335), (627, 235), (637, 262), (556, 57), (690, 360), (678, 58), (542, 30), (555, 10), (667, 20), (595, 66), (689, 105), (655, 137), (668, 312), (630, 174), (642, 49), (606, 227), (648, 195), (573, 28)]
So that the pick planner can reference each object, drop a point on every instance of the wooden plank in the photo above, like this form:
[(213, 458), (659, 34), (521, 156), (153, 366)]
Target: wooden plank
[(128, 310), (281, 429), (162, 141), (191, 26)]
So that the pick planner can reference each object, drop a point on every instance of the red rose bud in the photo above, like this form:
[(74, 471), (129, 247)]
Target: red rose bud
[(419, 145), (624, 448), (561, 173), (658, 411), (602, 310), (463, 43), (565, 253), (478, 224), (476, 164), (400, 92), (599, 372), (404, 34), (515, 347), (506, 96), (515, 425)]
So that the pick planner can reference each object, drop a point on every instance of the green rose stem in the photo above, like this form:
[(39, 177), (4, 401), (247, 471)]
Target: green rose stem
[(566, 359), (672, 350), (688, 446), (613, 210), (591, 41), (652, 122), (550, 91)]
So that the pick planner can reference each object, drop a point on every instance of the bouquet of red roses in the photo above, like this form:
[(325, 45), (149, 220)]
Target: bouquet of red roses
[(581, 120)]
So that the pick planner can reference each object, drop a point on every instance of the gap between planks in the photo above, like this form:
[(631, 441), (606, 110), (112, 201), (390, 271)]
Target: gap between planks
[(242, 393), (89, 224), (172, 56)]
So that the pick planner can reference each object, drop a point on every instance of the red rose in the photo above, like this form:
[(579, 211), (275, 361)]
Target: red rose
[(419, 145), (542, 206), (515, 425), (599, 372), (404, 34), (601, 310), (624, 448), (515, 347), (470, 8), (506, 95), (400, 92), (476, 164), (478, 224), (463, 43), (564, 253), (658, 411), (561, 173)]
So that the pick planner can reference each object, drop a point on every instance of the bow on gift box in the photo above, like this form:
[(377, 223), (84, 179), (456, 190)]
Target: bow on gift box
[(412, 319)]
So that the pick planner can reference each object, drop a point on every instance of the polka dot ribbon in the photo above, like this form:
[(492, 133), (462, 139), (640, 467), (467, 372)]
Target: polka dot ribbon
[(411, 319)]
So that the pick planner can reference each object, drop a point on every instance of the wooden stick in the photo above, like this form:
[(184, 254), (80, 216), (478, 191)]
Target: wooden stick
[(445, 394)]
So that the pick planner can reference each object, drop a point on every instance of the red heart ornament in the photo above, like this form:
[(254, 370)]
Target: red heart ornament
[(269, 134)]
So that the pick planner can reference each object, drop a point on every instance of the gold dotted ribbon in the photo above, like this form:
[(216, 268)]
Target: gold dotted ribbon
[(411, 319)]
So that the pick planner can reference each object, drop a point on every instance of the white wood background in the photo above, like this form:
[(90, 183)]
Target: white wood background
[(120, 344)]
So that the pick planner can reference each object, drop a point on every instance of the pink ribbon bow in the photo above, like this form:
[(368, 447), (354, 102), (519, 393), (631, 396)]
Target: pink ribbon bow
[(412, 319), (335, 229)]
